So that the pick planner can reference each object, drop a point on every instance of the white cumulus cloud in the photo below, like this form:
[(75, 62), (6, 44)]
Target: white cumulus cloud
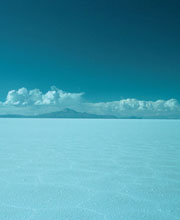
[(24, 97), (24, 101), (138, 108)]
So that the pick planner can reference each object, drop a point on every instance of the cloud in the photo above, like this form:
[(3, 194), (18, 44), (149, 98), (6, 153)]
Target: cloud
[(24, 101), (138, 108), (23, 97)]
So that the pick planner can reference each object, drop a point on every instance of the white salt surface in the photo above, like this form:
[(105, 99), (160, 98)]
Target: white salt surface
[(89, 169)]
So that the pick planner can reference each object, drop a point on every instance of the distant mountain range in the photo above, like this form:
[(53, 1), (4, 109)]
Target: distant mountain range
[(70, 113), (66, 113)]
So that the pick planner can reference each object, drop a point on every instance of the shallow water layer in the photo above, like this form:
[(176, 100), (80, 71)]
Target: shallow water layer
[(78, 169)]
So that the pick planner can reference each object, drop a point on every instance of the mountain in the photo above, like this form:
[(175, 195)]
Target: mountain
[(14, 116), (66, 113), (69, 113)]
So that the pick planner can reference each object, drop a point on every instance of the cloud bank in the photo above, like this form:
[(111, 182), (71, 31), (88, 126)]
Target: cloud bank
[(32, 102), (55, 96)]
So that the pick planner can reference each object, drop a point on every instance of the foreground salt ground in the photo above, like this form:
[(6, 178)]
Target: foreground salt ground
[(72, 169)]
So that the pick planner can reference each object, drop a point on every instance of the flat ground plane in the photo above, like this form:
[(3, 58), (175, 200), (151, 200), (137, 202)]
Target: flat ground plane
[(77, 169)]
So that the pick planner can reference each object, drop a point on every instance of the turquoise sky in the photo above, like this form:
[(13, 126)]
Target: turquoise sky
[(107, 49)]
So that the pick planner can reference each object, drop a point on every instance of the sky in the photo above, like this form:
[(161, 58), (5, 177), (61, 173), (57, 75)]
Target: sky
[(106, 50)]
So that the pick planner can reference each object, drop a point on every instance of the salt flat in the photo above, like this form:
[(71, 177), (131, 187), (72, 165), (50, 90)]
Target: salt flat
[(77, 169)]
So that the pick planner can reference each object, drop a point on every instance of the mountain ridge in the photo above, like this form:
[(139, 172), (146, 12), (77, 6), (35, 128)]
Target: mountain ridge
[(66, 113)]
